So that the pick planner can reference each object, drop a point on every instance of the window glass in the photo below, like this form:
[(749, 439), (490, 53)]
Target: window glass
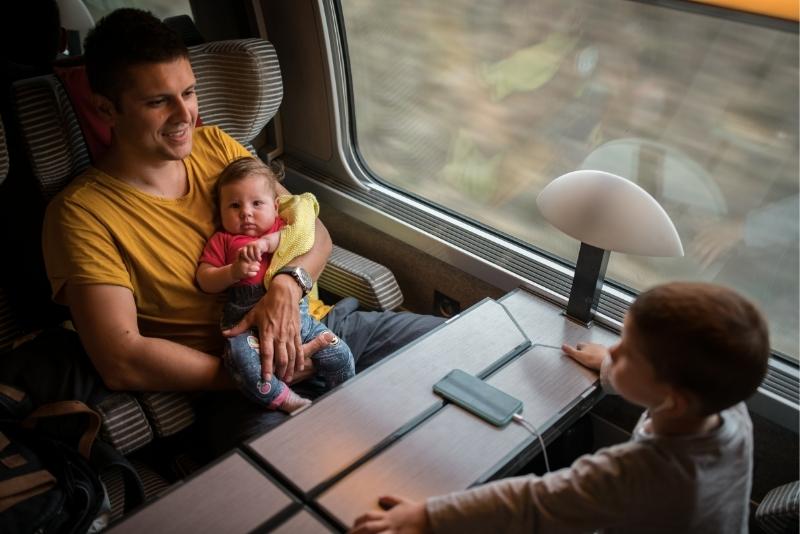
[(477, 105)]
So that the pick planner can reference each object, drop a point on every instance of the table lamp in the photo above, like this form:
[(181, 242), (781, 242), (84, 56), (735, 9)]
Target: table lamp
[(605, 212)]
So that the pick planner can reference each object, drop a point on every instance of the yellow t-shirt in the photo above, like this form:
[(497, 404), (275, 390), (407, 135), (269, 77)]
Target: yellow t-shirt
[(100, 230)]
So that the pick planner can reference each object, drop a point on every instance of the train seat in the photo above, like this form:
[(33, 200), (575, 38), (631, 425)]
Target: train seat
[(239, 89)]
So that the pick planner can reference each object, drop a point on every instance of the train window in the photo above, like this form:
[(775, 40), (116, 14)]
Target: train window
[(475, 106)]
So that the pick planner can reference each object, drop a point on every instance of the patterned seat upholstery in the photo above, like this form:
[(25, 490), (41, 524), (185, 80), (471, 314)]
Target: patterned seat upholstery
[(9, 328), (3, 154), (779, 511), (239, 89)]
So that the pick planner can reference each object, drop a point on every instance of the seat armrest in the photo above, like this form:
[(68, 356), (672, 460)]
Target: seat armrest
[(168, 412), (124, 425), (349, 275), (778, 511)]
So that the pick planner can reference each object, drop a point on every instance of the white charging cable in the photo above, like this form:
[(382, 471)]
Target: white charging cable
[(532, 429)]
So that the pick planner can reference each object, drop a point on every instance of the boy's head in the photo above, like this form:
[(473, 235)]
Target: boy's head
[(123, 39), (703, 340), (245, 196)]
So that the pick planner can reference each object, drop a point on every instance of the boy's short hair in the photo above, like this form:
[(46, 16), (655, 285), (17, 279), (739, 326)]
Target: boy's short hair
[(124, 38), (240, 169), (705, 339)]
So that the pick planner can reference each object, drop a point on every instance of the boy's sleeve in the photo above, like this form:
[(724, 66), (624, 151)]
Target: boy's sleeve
[(630, 484), (297, 237)]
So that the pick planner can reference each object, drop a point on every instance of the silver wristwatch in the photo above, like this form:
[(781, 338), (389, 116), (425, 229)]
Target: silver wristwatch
[(300, 276)]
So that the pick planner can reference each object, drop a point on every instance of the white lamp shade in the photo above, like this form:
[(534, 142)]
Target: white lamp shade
[(74, 15), (609, 212)]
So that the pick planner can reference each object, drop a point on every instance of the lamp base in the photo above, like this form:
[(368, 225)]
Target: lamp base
[(586, 284), (577, 320)]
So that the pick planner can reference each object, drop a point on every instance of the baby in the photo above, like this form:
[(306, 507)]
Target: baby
[(240, 259)]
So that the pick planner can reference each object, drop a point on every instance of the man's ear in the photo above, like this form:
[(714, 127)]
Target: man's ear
[(105, 108)]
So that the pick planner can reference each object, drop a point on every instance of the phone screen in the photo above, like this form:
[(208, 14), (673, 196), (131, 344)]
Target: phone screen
[(478, 397)]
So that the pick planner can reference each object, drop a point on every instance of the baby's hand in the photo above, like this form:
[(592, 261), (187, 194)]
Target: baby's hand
[(244, 268), (271, 241), (252, 251)]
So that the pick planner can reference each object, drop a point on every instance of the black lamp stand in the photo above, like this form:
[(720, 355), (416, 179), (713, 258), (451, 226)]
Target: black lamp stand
[(585, 294)]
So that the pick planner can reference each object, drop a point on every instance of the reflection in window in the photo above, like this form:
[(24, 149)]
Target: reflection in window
[(478, 105)]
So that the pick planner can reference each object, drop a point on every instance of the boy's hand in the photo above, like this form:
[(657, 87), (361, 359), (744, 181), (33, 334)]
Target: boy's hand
[(401, 517), (590, 355), (243, 268)]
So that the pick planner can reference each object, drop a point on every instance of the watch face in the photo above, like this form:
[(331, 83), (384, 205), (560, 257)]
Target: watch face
[(304, 278)]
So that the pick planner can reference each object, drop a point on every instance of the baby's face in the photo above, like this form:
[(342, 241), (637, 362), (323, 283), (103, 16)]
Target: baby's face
[(248, 207)]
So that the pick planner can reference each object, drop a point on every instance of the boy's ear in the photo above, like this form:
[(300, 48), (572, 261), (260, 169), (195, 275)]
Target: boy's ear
[(683, 403), (105, 108)]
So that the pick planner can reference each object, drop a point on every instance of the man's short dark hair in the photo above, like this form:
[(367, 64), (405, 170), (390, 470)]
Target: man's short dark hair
[(703, 338), (124, 38)]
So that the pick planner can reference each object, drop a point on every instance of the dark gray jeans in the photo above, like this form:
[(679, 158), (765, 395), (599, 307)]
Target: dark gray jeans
[(226, 419)]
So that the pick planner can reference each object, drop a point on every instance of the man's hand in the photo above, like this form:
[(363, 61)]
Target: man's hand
[(276, 318), (402, 517), (587, 354)]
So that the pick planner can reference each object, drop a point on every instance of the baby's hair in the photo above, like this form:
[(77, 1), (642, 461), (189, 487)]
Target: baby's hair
[(242, 168), (703, 338)]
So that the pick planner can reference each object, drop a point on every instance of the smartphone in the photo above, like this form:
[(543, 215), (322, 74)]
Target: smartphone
[(478, 397)]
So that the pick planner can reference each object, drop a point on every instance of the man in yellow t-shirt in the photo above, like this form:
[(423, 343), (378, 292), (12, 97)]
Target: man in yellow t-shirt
[(122, 241)]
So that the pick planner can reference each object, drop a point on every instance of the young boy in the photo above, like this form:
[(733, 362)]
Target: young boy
[(240, 259), (690, 353)]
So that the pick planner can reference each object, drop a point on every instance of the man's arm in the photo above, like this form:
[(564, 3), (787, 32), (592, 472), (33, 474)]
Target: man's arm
[(105, 317)]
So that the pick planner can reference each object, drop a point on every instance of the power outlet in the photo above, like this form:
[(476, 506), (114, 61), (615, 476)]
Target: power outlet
[(445, 306)]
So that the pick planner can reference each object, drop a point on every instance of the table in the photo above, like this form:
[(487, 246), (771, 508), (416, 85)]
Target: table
[(454, 449), (313, 449), (303, 522), (232, 495)]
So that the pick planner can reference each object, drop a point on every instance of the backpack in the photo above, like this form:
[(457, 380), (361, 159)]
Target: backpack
[(46, 485), (50, 461)]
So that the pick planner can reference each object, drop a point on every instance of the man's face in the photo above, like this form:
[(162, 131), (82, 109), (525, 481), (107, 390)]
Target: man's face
[(156, 111)]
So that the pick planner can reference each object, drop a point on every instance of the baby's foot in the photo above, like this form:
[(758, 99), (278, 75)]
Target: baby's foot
[(293, 402)]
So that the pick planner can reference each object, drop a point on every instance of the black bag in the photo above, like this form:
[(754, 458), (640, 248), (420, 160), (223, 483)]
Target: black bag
[(49, 478), (45, 485)]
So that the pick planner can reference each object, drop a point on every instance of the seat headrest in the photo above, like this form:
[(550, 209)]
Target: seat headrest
[(239, 89), (239, 85)]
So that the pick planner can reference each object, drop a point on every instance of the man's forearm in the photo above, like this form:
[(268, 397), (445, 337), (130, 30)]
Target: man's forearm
[(153, 364), (106, 320), (315, 259)]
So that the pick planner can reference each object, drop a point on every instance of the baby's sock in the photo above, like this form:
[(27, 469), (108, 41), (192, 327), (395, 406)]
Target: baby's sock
[(293, 402)]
